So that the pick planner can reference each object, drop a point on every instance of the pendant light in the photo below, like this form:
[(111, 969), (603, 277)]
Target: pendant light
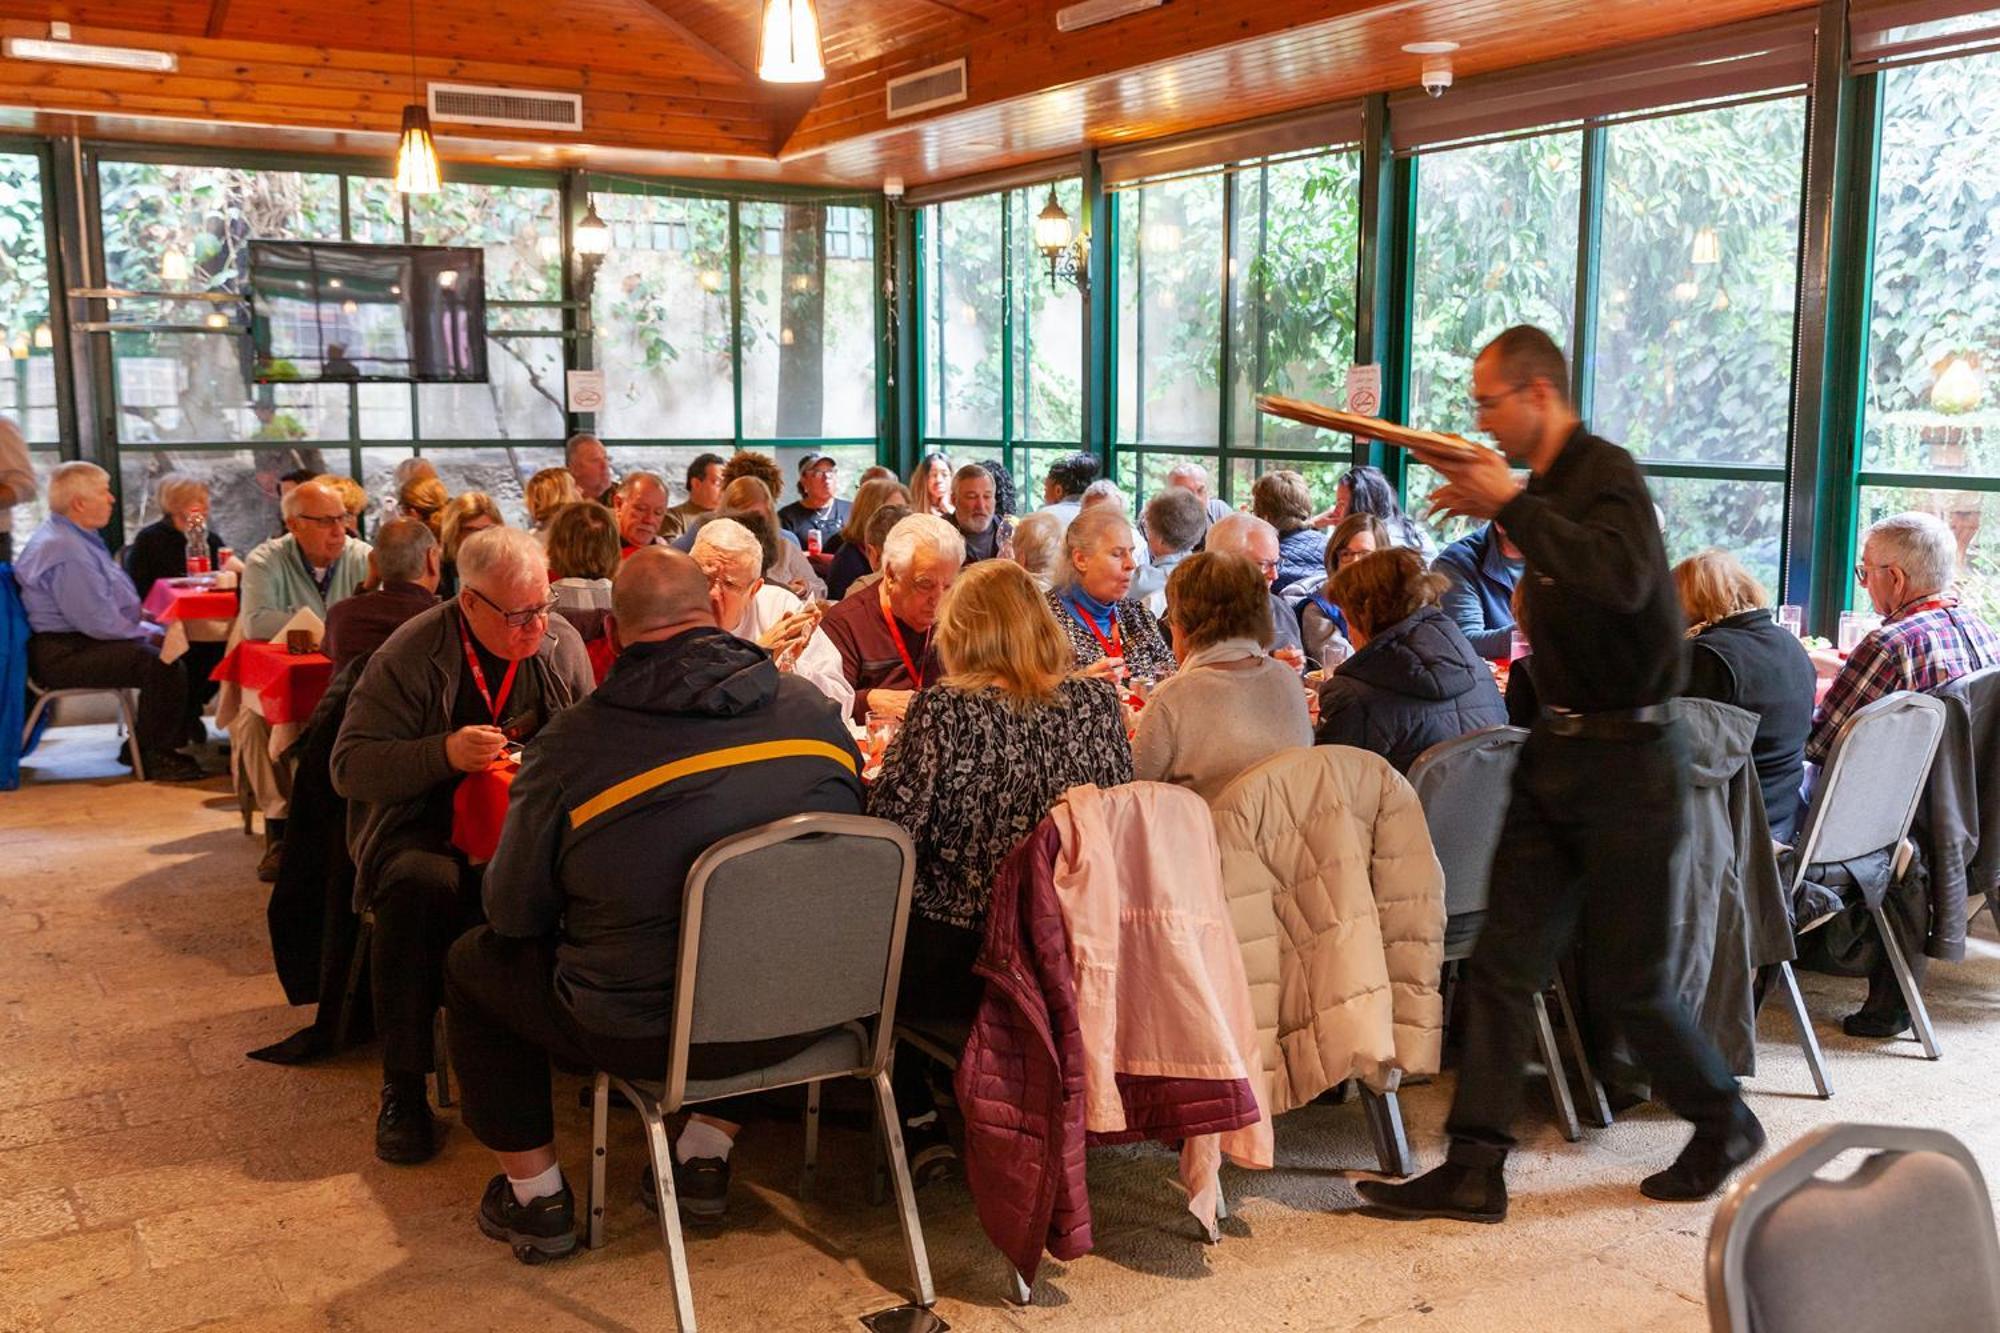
[(416, 153), (789, 52), (592, 238)]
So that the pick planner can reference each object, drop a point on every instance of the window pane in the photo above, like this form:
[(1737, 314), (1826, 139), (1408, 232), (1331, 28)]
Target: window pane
[(29, 513), (27, 376), (963, 333), (374, 211), (808, 321), (1745, 518), (500, 473), (1699, 282), (518, 226), (1297, 243), (189, 227), (1496, 246), (1048, 325), (1170, 256), (1933, 343), (522, 398), (242, 488), (660, 310), (195, 386), (1141, 475), (1322, 477), (1967, 514)]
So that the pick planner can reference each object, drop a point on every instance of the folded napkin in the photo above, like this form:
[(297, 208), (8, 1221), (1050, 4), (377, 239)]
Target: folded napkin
[(304, 619)]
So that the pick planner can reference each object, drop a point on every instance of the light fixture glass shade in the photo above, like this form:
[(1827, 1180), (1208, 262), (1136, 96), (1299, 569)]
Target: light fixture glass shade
[(591, 236), (1707, 249), (1052, 229), (417, 155), (44, 339), (789, 52), (173, 266)]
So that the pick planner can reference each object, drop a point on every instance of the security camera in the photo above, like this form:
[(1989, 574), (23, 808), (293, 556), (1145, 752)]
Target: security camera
[(1437, 75)]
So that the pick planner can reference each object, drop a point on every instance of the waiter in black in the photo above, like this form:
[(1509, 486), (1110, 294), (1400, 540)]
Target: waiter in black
[(1598, 797)]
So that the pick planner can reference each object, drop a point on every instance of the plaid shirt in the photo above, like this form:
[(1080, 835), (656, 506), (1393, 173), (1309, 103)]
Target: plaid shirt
[(1920, 649)]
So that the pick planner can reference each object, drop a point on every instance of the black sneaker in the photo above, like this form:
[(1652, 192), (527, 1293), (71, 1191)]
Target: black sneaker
[(271, 862), (701, 1184), (1879, 1024), (539, 1231), (1706, 1162), (172, 766), (1461, 1193), (405, 1131)]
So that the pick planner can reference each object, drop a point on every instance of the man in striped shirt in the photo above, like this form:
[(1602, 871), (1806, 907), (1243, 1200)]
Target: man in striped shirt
[(1907, 565)]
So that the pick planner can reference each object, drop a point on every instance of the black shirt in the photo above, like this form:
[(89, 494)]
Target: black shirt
[(828, 522), (1753, 662), (1601, 607), (160, 552)]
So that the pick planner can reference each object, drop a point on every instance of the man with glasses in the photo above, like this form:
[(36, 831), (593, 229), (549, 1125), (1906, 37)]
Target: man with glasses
[(1584, 861), (872, 653), (456, 689), (817, 510), (1257, 541)]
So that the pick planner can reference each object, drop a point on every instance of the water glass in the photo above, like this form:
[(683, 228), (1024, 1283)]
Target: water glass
[(1854, 627), (1793, 618)]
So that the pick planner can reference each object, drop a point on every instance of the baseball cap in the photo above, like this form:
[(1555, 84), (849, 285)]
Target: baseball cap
[(815, 457)]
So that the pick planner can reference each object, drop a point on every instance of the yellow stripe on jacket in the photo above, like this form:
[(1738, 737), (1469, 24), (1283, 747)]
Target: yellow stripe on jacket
[(732, 756)]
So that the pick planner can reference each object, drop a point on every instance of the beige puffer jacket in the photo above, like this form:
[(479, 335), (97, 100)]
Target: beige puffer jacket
[(1338, 903)]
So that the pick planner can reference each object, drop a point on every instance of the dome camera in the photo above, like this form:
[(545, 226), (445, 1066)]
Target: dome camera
[(1437, 75)]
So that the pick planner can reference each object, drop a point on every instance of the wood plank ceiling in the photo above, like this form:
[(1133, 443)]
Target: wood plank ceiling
[(669, 85)]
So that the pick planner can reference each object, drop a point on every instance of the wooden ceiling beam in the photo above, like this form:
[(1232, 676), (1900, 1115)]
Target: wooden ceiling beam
[(218, 12), (679, 28)]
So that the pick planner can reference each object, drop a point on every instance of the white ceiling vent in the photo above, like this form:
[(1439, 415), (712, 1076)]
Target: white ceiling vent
[(517, 108), (940, 85)]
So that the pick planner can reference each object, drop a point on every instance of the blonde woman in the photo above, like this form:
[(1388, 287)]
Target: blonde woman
[(351, 495), (547, 491), (1038, 542), (930, 486), (424, 498), (981, 758), (463, 515)]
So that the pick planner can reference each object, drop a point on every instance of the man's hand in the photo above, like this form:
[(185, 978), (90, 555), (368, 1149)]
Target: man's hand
[(1477, 485), (472, 749), (890, 703), (790, 634)]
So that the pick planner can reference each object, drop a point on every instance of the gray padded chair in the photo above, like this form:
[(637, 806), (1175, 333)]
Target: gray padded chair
[(792, 927), (1864, 801), (128, 713), (1464, 785), (1903, 1245)]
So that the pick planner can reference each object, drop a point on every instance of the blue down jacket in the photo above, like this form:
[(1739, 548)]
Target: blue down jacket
[(1416, 683)]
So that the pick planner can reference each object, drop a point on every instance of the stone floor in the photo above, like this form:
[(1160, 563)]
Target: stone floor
[(154, 1179)]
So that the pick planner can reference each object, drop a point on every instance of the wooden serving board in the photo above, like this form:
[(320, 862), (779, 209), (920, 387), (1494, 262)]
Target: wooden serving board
[(1373, 428)]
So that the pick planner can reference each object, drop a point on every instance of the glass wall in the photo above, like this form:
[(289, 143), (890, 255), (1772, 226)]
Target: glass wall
[(1930, 424), (27, 371)]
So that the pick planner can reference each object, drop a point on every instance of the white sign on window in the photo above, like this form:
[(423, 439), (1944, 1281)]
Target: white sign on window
[(1364, 390), (586, 391)]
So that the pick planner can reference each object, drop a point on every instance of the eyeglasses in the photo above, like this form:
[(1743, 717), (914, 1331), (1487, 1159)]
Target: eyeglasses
[(518, 619), (321, 520), (1491, 401), (1861, 568)]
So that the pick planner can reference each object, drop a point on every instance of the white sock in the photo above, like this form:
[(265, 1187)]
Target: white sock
[(701, 1139), (539, 1186)]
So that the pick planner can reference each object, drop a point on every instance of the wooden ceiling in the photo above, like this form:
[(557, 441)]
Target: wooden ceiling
[(669, 85)]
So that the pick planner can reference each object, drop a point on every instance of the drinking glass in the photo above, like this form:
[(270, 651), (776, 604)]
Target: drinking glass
[(1793, 618), (1854, 627)]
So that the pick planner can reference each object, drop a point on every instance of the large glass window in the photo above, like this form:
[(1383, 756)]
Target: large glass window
[(1931, 425), (27, 368), (965, 254), (1171, 253), (808, 320), (660, 313)]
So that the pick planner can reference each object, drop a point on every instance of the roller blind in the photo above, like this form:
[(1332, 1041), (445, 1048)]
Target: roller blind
[(1886, 33), (990, 182), (1742, 62), (1250, 141)]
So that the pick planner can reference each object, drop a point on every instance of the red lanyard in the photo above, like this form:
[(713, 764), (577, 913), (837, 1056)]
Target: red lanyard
[(1113, 646), (493, 705), (896, 633)]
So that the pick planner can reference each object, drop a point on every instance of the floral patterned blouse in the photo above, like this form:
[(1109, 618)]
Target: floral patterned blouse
[(1146, 650), (972, 772)]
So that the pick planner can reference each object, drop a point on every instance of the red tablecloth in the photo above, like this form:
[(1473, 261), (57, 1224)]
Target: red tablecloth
[(288, 686), (168, 602)]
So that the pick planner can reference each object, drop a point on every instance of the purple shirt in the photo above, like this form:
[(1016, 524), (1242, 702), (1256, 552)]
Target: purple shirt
[(71, 585)]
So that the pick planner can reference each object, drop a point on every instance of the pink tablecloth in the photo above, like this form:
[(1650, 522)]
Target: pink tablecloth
[(168, 602), (282, 687)]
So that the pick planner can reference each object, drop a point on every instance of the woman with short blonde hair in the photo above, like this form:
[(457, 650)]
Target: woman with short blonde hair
[(352, 497), (159, 550), (1714, 585), (1001, 635), (1108, 628), (463, 515), (547, 491)]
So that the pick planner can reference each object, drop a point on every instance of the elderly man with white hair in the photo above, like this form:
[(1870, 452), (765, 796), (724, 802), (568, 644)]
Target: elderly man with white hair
[(1193, 477), (1257, 541), (872, 653), (1907, 565), (85, 625), (311, 567), (745, 603), (453, 691)]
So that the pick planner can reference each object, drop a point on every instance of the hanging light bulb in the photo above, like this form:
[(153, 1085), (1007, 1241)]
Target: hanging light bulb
[(1707, 248), (790, 50), (710, 279), (173, 265), (591, 237), (417, 169), (348, 307)]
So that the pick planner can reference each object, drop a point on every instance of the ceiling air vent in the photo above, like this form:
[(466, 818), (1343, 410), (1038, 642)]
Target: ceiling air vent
[(940, 85), (516, 108)]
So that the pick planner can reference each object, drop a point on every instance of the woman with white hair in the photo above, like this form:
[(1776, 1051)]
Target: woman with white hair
[(160, 549), (1110, 631)]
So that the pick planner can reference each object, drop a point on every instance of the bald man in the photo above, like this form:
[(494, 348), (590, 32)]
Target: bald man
[(692, 737)]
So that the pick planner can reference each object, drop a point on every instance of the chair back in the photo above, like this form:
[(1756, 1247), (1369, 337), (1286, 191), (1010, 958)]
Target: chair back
[(1464, 784), (792, 927), (1905, 1243), (1874, 775)]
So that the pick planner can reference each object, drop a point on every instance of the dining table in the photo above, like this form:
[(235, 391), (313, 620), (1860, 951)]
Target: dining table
[(189, 611), (278, 685)]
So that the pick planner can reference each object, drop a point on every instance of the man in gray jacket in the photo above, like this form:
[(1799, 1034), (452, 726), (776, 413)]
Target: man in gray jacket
[(448, 694)]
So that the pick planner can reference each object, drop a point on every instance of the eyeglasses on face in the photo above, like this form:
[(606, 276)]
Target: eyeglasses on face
[(518, 619), (322, 520)]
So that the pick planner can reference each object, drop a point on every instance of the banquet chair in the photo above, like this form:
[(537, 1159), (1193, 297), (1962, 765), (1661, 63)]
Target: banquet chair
[(790, 928), (1464, 785), (1863, 803), (1905, 1244), (128, 713)]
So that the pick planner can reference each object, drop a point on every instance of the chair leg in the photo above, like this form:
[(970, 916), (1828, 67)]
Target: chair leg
[(441, 1057), (661, 1149), (811, 1166), (130, 713), (906, 1194), (1558, 1080), (1596, 1106), (1906, 982), (1221, 1200), (1019, 1292), (1788, 981), (35, 711), (600, 1115), (363, 937), (1385, 1127)]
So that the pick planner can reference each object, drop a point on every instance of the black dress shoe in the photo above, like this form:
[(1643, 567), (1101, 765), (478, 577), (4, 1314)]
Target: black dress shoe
[(271, 862), (701, 1184), (1707, 1161), (1461, 1193), (405, 1132), (1878, 1024), (537, 1232), (172, 766)]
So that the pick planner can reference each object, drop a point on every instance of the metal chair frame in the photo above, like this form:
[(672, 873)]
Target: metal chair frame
[(1755, 1193), (656, 1101), (128, 713)]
